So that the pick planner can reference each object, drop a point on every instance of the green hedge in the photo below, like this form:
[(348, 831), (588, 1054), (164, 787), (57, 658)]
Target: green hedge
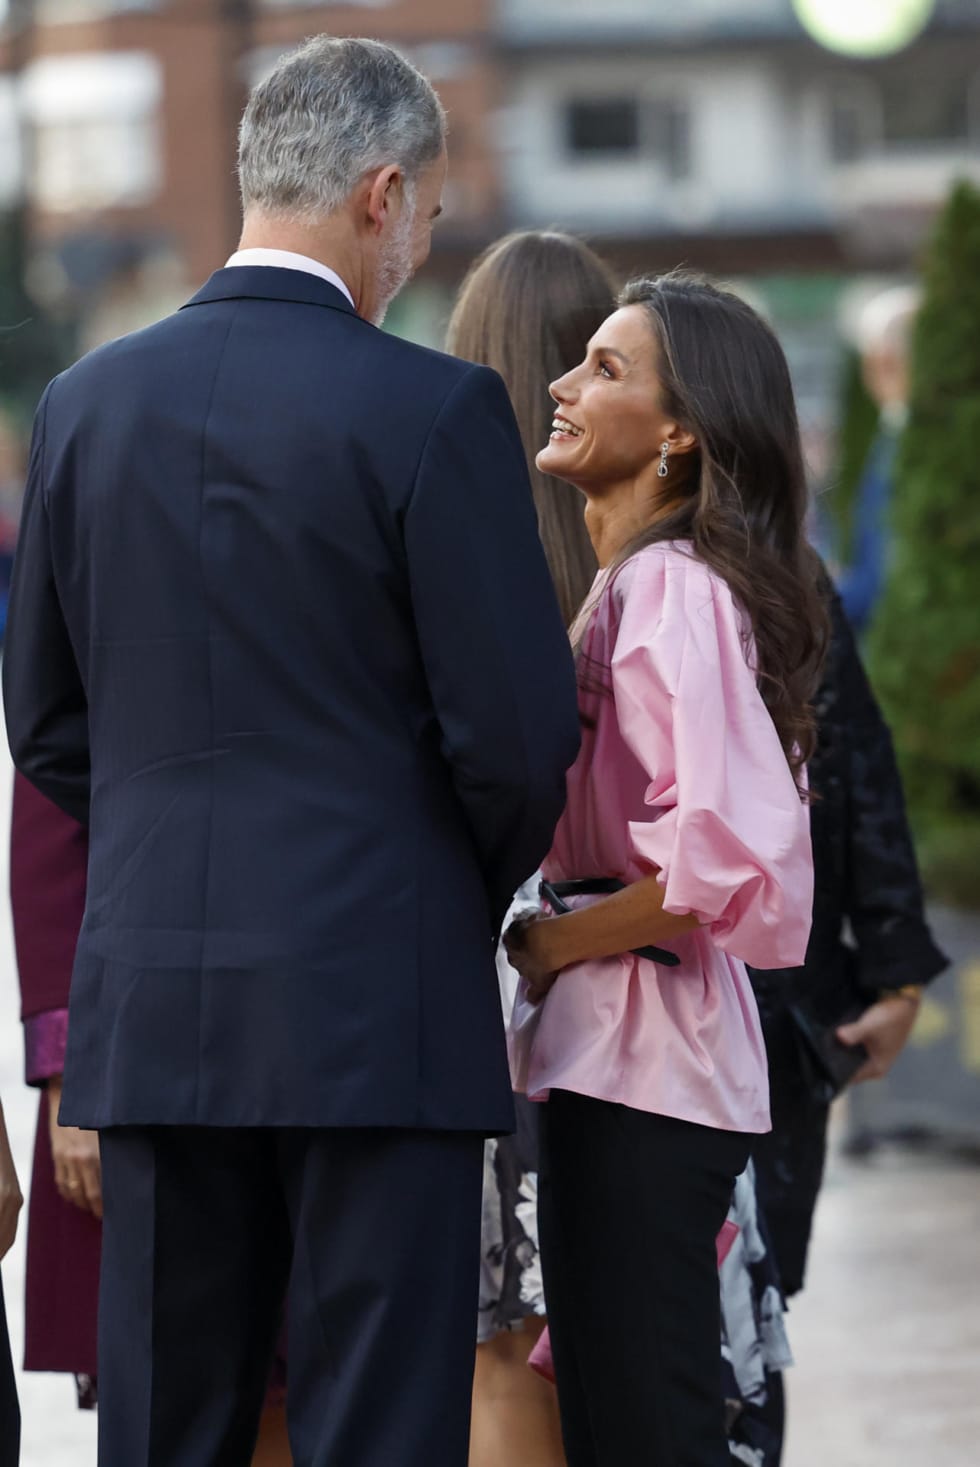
[(924, 645)]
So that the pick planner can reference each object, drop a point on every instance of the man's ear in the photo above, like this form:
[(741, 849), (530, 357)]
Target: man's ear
[(384, 196)]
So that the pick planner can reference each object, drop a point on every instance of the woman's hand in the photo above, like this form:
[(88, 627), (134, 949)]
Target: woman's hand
[(11, 1197), (539, 946), (526, 942), (77, 1167), (884, 1030)]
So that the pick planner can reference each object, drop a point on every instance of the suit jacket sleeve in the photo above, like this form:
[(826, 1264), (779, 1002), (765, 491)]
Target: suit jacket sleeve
[(884, 894), (496, 654), (44, 698)]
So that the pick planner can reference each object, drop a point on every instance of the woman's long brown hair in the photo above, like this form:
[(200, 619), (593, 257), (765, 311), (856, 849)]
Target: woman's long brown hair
[(742, 492), (528, 308)]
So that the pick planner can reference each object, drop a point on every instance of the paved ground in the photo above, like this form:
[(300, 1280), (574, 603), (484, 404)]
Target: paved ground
[(887, 1338)]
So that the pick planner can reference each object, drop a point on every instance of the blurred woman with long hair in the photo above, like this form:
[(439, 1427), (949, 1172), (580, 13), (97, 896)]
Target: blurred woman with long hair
[(527, 308)]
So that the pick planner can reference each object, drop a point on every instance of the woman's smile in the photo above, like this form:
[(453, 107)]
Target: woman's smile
[(563, 430)]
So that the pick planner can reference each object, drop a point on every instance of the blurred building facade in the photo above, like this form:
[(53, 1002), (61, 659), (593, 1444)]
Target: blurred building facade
[(720, 130), (714, 132), (124, 113)]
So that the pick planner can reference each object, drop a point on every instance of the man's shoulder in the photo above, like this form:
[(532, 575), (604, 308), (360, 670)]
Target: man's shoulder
[(414, 386), (424, 366), (380, 369), (121, 355)]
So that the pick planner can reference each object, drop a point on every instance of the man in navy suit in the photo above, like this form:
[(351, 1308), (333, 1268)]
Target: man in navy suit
[(281, 631)]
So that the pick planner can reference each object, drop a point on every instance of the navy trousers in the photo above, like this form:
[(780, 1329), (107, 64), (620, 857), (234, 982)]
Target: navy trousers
[(368, 1238), (9, 1410)]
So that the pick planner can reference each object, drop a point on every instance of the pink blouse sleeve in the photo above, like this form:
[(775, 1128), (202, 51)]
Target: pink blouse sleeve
[(727, 829)]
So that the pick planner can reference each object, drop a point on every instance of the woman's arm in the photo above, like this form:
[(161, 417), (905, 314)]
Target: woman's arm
[(539, 947), (11, 1198)]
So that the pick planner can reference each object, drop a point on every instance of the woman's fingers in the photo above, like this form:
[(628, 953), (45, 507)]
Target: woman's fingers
[(66, 1183), (540, 986), (77, 1169), (11, 1203), (77, 1185), (91, 1178)]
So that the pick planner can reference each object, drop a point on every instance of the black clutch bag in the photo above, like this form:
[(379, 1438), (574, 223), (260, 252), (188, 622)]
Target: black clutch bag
[(834, 1065), (555, 893)]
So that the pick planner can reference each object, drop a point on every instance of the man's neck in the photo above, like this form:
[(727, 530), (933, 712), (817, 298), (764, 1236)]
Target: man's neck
[(327, 244)]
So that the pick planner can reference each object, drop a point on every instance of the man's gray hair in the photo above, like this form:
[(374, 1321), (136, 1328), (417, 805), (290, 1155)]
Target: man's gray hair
[(331, 111)]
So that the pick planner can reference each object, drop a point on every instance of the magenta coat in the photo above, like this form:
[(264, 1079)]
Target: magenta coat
[(48, 862)]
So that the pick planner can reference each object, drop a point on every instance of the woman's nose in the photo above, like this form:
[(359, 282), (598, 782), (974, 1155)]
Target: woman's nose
[(561, 389)]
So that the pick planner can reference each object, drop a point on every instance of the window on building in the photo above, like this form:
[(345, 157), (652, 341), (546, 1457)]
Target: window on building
[(599, 126), (917, 109), (897, 112), (631, 127), (93, 130)]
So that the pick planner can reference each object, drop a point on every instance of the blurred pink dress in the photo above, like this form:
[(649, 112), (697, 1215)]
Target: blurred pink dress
[(680, 771)]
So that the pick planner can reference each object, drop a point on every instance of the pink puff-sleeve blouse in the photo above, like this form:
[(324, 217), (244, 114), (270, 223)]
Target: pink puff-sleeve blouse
[(680, 772)]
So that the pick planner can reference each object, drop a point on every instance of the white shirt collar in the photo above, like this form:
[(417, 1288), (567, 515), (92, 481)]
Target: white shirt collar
[(287, 260)]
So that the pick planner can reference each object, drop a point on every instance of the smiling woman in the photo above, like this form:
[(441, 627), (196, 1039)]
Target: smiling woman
[(698, 650), (670, 439)]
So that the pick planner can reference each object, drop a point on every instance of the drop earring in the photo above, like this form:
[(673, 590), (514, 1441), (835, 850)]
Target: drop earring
[(664, 450)]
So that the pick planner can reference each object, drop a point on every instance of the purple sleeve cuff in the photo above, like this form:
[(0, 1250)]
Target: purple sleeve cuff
[(45, 1039)]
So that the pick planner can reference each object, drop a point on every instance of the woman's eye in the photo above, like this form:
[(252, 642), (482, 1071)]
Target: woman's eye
[(605, 370)]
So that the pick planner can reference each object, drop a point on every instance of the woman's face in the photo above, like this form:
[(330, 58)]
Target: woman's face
[(609, 424)]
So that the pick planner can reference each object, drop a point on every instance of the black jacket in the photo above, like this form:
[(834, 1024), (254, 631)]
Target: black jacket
[(869, 933), (282, 631)]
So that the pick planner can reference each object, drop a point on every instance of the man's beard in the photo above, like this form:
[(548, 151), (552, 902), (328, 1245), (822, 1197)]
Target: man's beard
[(395, 267)]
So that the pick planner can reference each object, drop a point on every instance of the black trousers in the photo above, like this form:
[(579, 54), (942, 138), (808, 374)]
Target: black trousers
[(630, 1205), (9, 1409), (371, 1240)]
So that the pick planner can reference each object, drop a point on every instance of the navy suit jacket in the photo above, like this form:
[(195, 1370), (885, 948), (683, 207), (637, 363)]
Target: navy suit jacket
[(282, 632)]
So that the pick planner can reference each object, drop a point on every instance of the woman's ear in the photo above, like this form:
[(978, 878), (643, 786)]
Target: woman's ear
[(681, 440)]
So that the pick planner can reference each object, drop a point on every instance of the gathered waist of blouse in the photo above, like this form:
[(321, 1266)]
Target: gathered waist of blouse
[(559, 894), (682, 1041)]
